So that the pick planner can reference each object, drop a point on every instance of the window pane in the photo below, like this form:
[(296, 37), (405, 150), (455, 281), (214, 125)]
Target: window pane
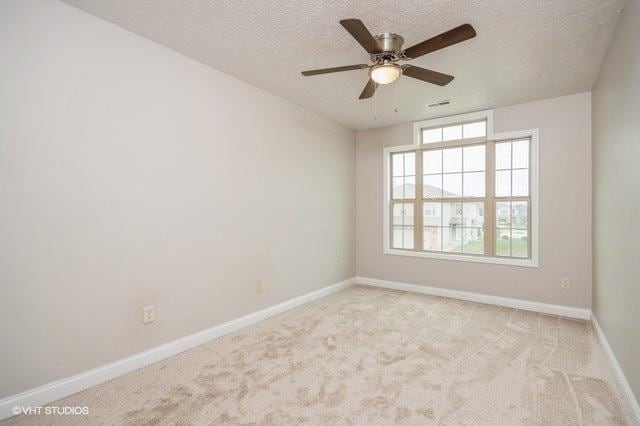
[(409, 187), (473, 240), (432, 135), (408, 237), (410, 164), (519, 243), (521, 154), (432, 186), (519, 214), (452, 132), (397, 214), (403, 237), (452, 160), (452, 214), (407, 213), (475, 130), (397, 191), (473, 215), (503, 243), (432, 238), (503, 155), (473, 184), (503, 216), (503, 183), (452, 239), (397, 164), (432, 214), (397, 237), (452, 185), (432, 161), (520, 183), (474, 158)]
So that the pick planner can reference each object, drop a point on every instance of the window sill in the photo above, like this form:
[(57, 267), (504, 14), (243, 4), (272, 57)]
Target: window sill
[(529, 263)]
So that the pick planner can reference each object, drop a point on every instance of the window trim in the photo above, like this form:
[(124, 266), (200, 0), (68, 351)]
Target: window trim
[(532, 134)]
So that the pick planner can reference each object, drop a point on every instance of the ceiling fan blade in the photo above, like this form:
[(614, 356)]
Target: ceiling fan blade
[(368, 90), (456, 35), (335, 69), (362, 35), (427, 75)]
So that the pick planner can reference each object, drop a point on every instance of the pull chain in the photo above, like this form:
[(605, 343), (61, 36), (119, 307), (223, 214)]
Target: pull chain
[(375, 103), (395, 97)]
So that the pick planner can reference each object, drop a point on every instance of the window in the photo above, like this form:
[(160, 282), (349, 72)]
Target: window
[(512, 198), (462, 193), (459, 131), (451, 178), (403, 194)]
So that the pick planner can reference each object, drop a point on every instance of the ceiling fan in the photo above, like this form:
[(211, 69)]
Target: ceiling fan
[(386, 51)]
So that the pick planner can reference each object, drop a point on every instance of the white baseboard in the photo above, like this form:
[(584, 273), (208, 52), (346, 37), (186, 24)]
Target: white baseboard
[(627, 392), (62, 388), (545, 308)]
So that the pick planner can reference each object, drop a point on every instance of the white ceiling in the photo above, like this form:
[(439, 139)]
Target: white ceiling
[(524, 50)]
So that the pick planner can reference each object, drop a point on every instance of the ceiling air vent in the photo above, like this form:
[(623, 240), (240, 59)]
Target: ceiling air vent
[(441, 103)]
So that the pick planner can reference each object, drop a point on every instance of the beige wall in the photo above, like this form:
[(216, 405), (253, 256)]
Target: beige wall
[(616, 194), (131, 175), (565, 206)]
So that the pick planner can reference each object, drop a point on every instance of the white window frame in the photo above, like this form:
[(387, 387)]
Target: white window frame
[(487, 115)]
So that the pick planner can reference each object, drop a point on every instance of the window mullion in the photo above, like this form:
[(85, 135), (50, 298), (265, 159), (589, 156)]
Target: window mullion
[(392, 203), (417, 212), (529, 227), (490, 205)]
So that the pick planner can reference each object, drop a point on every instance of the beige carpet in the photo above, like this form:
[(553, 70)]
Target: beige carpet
[(372, 356)]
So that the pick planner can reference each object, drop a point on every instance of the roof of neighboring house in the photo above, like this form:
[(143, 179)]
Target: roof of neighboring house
[(434, 191)]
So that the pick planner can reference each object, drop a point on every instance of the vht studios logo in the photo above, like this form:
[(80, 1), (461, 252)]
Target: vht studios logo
[(51, 411)]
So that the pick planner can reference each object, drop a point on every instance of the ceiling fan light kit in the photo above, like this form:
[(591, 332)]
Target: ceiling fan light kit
[(385, 73), (385, 51)]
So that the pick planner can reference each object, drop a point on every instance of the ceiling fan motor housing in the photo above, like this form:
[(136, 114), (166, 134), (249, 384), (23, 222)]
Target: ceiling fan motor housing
[(390, 42), (391, 45)]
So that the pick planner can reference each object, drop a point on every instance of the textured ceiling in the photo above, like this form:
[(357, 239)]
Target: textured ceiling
[(524, 50)]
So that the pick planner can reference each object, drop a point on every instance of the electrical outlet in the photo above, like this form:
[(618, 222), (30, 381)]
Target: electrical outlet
[(148, 314), (259, 286), (565, 283)]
